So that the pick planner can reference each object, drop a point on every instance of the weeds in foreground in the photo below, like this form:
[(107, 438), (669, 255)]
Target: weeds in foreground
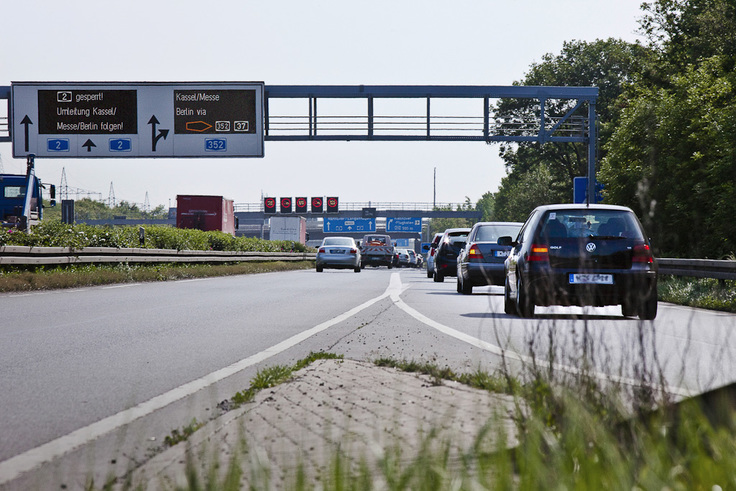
[(572, 432), (273, 376)]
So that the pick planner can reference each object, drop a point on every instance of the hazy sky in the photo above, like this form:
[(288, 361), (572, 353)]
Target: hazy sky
[(290, 42)]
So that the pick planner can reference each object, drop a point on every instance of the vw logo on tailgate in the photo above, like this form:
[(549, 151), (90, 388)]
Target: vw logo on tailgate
[(590, 247)]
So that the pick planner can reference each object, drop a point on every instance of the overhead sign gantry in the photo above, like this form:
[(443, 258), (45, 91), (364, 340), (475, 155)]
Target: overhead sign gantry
[(100, 120)]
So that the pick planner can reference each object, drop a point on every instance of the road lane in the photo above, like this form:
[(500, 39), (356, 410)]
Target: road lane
[(70, 358)]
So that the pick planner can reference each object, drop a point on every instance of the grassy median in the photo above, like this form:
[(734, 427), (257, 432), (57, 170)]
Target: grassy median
[(21, 279)]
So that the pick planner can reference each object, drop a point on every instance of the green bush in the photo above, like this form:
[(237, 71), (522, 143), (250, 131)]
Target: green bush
[(53, 233)]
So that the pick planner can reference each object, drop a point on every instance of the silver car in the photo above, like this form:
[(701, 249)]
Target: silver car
[(338, 252)]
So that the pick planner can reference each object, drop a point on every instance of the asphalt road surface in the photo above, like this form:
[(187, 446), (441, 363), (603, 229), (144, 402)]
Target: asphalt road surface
[(119, 367)]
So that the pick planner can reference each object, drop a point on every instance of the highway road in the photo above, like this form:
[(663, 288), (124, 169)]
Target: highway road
[(119, 367)]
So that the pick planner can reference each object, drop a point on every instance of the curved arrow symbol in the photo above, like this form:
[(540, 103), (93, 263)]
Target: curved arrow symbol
[(154, 137)]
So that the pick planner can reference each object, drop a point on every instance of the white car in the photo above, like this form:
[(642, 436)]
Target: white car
[(338, 252)]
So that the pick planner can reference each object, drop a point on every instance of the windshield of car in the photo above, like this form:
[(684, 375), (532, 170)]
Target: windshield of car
[(591, 223), (491, 233), (338, 241)]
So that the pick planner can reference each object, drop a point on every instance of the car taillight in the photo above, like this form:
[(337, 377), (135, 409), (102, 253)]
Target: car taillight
[(642, 254), (538, 253), (321, 250), (474, 252), (353, 251), (431, 252)]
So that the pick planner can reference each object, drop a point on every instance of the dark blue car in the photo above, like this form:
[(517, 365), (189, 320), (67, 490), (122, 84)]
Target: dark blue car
[(480, 262)]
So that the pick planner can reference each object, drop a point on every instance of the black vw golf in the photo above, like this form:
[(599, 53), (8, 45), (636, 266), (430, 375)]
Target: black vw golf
[(581, 255)]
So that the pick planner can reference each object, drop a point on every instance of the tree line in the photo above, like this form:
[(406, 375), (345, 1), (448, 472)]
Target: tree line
[(667, 129)]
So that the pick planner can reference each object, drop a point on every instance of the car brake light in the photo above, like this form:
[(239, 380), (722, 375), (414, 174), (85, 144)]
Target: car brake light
[(474, 252), (539, 253), (321, 250), (353, 251), (642, 254)]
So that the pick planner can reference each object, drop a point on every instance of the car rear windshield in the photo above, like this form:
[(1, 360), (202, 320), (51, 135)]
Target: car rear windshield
[(593, 223), (491, 233), (338, 241)]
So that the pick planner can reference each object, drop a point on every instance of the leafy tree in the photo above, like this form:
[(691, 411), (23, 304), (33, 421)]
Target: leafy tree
[(519, 195), (486, 204), (672, 156), (608, 64), (441, 224), (673, 160)]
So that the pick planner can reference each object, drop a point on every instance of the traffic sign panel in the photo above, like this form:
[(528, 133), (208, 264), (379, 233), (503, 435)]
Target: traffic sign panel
[(404, 224), (348, 225), (146, 119)]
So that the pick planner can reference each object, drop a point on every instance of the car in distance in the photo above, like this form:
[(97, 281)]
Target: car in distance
[(338, 252), (404, 259), (581, 255), (413, 261), (430, 254), (481, 261), (449, 246)]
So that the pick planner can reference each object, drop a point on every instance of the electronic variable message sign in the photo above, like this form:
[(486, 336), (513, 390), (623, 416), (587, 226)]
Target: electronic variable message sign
[(148, 119)]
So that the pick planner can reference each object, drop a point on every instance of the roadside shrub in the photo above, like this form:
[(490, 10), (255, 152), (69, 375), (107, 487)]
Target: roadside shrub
[(53, 233)]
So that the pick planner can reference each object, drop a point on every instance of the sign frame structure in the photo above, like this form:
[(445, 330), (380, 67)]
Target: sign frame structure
[(404, 224), (334, 225), (137, 119)]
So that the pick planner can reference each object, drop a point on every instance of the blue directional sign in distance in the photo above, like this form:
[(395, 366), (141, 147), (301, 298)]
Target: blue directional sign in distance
[(404, 224), (348, 225)]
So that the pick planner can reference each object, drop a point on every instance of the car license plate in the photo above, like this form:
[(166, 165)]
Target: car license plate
[(591, 279), (338, 251), (502, 253)]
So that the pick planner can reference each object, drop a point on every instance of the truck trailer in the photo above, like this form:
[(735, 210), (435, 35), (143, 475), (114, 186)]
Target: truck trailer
[(206, 213), (288, 228)]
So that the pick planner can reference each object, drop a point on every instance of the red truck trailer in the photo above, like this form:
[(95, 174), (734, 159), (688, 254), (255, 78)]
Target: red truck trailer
[(205, 213)]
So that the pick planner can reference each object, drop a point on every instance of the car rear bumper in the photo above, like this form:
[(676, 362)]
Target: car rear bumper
[(384, 260), (554, 287), (479, 274), (338, 262)]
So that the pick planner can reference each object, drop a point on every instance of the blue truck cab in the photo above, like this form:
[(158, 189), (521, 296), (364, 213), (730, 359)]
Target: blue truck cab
[(21, 200)]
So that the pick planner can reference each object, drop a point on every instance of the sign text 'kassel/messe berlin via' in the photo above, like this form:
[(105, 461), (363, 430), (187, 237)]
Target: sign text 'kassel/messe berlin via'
[(344, 225), (137, 119)]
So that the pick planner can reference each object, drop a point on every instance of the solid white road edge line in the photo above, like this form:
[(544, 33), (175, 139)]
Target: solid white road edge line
[(509, 354), (15, 466)]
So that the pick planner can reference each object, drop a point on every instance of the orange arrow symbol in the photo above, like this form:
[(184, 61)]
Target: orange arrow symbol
[(198, 126)]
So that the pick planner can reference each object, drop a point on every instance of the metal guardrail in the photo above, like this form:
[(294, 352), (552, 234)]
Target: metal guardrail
[(24, 255), (700, 268)]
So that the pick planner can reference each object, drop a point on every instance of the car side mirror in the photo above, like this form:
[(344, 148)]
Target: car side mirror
[(505, 240)]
